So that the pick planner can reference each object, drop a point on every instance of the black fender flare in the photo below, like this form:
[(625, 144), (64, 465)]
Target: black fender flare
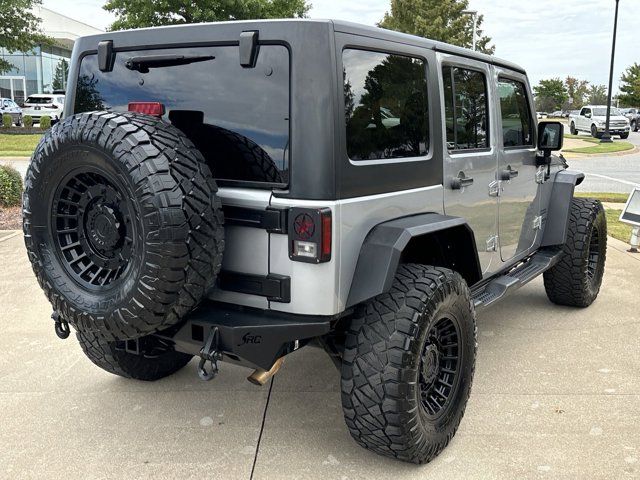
[(383, 246), (559, 207)]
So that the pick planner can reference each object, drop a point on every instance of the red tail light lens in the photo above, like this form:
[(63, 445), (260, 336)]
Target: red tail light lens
[(310, 235), (155, 109)]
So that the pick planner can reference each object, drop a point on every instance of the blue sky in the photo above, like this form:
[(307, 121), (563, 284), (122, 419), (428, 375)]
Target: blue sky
[(549, 38)]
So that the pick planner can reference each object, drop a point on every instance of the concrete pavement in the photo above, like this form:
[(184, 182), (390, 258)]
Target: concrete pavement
[(556, 395)]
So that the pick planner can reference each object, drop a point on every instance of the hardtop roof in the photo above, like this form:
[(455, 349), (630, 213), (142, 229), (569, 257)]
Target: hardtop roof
[(337, 25)]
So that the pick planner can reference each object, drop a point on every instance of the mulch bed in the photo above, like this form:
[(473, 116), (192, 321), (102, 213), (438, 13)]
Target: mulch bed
[(10, 218)]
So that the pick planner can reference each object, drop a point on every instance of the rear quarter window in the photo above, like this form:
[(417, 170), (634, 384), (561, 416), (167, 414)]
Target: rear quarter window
[(237, 117)]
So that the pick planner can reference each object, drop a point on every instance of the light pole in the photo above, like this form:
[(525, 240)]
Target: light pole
[(606, 137), (474, 14)]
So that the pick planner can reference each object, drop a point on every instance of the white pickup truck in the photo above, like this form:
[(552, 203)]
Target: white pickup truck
[(593, 118)]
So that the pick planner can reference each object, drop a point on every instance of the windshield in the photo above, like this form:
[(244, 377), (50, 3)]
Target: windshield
[(602, 112), (38, 100)]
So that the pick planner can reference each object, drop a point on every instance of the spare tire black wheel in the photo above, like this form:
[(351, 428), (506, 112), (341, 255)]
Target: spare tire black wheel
[(122, 223)]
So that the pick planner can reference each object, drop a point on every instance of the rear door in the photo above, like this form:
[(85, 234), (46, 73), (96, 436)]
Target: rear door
[(470, 157), (518, 205), (237, 117)]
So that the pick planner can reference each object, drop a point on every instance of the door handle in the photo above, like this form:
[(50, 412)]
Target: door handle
[(508, 173), (461, 181)]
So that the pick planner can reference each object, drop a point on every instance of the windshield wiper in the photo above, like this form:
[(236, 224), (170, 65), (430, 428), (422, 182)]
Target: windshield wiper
[(144, 63)]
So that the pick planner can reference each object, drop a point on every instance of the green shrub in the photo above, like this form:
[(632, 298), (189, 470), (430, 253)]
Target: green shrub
[(10, 187), (45, 122), (27, 121), (7, 122)]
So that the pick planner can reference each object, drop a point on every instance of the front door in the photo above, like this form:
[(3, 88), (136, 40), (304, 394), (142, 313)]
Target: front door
[(519, 205)]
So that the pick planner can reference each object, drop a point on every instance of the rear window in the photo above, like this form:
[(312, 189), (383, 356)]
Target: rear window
[(38, 100), (237, 117), (386, 112)]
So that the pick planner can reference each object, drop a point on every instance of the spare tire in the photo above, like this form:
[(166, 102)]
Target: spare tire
[(122, 223)]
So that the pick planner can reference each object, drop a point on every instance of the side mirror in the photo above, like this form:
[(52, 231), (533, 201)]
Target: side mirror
[(587, 115), (550, 136)]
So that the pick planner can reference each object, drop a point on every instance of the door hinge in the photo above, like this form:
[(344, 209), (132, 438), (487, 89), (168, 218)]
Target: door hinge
[(537, 222), (495, 188), (492, 243), (541, 174)]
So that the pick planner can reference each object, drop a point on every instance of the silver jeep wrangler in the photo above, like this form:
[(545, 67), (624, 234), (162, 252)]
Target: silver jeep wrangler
[(235, 191)]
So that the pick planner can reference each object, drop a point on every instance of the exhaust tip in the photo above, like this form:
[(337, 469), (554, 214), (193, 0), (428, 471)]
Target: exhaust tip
[(260, 376)]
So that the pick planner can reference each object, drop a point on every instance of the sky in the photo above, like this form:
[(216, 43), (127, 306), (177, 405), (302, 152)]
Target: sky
[(549, 38)]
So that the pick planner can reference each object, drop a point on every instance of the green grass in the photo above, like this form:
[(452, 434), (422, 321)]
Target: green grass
[(18, 145), (616, 146), (604, 197), (616, 228)]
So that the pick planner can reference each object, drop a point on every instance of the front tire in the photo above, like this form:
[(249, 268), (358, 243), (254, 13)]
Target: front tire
[(575, 280), (624, 135), (634, 126), (594, 132), (408, 364)]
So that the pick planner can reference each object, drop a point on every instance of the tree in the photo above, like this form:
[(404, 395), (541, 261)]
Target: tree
[(151, 13), (19, 28), (597, 95), (630, 86), (550, 94), (60, 75), (441, 20), (577, 91)]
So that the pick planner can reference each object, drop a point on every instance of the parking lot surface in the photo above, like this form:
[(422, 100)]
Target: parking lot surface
[(556, 395)]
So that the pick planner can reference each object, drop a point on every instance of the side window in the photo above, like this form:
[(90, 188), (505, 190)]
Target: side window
[(466, 112), (386, 110), (517, 128)]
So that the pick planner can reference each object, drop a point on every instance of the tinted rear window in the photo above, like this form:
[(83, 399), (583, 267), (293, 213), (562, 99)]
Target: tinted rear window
[(38, 100), (238, 117)]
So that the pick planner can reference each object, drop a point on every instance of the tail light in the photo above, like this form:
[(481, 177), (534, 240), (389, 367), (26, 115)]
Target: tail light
[(155, 109), (310, 235)]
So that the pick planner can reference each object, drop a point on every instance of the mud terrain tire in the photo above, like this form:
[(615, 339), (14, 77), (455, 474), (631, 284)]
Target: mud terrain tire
[(122, 224)]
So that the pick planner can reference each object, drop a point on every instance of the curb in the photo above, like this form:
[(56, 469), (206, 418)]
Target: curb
[(576, 155)]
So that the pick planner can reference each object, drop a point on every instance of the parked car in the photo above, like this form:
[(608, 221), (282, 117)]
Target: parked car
[(8, 106), (557, 114), (633, 115), (320, 193), (593, 118), (542, 114), (40, 104)]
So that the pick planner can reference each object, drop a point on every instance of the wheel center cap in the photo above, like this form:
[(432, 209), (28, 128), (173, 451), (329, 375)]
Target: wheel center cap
[(103, 227), (430, 363)]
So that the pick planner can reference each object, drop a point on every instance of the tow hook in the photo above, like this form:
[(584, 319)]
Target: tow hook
[(209, 353), (61, 326)]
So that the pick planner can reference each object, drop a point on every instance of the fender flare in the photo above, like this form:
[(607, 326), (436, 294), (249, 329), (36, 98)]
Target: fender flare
[(557, 221), (382, 249)]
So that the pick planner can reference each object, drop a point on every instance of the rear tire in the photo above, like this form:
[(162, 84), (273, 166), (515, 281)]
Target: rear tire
[(408, 364), (572, 129), (634, 126), (155, 360), (575, 280), (122, 224)]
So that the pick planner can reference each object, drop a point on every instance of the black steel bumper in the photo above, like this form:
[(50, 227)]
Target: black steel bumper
[(253, 337)]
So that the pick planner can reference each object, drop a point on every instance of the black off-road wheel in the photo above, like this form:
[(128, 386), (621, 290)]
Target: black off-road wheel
[(122, 224), (624, 135), (575, 280), (151, 359), (408, 364)]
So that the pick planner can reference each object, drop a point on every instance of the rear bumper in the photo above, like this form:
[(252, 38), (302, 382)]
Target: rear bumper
[(249, 336)]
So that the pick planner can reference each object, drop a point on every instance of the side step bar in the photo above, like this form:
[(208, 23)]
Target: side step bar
[(252, 337), (523, 273)]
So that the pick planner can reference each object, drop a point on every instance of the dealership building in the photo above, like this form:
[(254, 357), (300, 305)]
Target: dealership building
[(45, 68)]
